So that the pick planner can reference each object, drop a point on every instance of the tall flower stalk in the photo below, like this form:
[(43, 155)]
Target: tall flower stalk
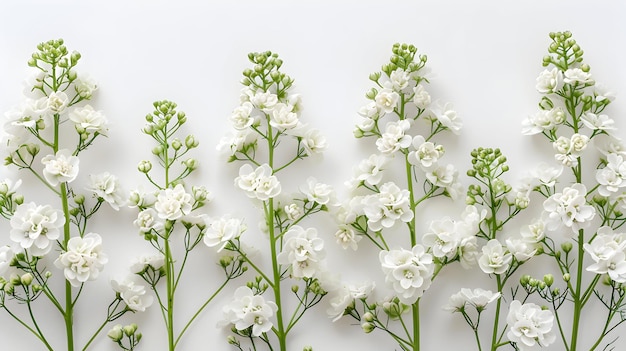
[(44, 137), (269, 137), (169, 218), (403, 121)]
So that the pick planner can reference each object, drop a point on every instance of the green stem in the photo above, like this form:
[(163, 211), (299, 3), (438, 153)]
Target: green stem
[(416, 325), (29, 328), (280, 328), (578, 302), (170, 294), (68, 314), (496, 321)]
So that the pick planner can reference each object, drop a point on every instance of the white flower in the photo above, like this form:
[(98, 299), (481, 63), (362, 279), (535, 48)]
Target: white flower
[(543, 120), (148, 220), (347, 237), (173, 203), (607, 251), (220, 231), (479, 298), (313, 142), (386, 100), (442, 238), (578, 144), (237, 141), (426, 153), (602, 93), (283, 118), (534, 232), (598, 122), (89, 120), (61, 167), (133, 295), (303, 251), (608, 144), (408, 272), (495, 258), (520, 249), (447, 116), (259, 183), (371, 169), (320, 193), (388, 206), (546, 174), (344, 296), (443, 176), (6, 256), (369, 112), (399, 79), (394, 137), (550, 81), (421, 99), (529, 326), (140, 263), (568, 208), (611, 177), (577, 75), (36, 228), (248, 310), (263, 100), (240, 118), (293, 211), (83, 259), (85, 86), (106, 187), (57, 102)]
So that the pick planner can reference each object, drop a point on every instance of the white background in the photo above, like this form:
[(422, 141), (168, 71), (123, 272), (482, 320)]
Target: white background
[(484, 57)]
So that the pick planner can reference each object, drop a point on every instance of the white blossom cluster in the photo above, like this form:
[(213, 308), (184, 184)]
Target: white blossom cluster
[(408, 272), (249, 310), (530, 326)]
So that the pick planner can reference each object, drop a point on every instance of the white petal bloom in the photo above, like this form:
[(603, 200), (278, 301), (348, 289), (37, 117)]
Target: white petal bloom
[(479, 298), (546, 175), (263, 100), (148, 220), (248, 310), (85, 86), (6, 256), (60, 167), (447, 116), (36, 228), (83, 260), (173, 203), (578, 144), (495, 258), (611, 178), (345, 295), (568, 208), (283, 118), (534, 232), (107, 187), (607, 251), (386, 100), (543, 120), (426, 153), (608, 144), (421, 98), (134, 295), (371, 169), (409, 273), (399, 79), (259, 183), (237, 141), (87, 119), (57, 102), (370, 111), (386, 207), (320, 193), (140, 263), (394, 138), (347, 237), (303, 250), (442, 238), (598, 122), (444, 176), (520, 249), (240, 118), (577, 75), (530, 326), (549, 81), (220, 231), (313, 141)]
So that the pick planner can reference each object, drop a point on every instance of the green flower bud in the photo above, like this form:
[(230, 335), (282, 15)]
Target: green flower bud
[(368, 317), (295, 288), (566, 247), (191, 164), (368, 327), (116, 334), (33, 149), (130, 329), (525, 279), (191, 142), (26, 279), (232, 340), (566, 277), (18, 199), (79, 199), (144, 166), (176, 144), (548, 279)]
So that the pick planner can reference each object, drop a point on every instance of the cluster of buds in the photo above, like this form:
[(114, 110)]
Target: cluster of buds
[(487, 166), (119, 332), (564, 52)]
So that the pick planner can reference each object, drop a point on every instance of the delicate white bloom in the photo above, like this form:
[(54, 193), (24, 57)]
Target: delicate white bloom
[(388, 206), (240, 118), (293, 211), (577, 75), (303, 250), (222, 230), (320, 193), (426, 153), (83, 260), (313, 142), (443, 176), (421, 99), (344, 296), (550, 81), (347, 237), (598, 122), (568, 208), (447, 116), (608, 144), (248, 310), (140, 263), (61, 167), (283, 118), (479, 298), (607, 251), (173, 203), (6, 256), (386, 100), (148, 220), (237, 141), (611, 178), (578, 144), (602, 93), (520, 249), (495, 258), (442, 238), (371, 169), (85, 86), (57, 102), (133, 295), (408, 272), (530, 326), (263, 100), (543, 120), (394, 137), (399, 79), (546, 174), (259, 183), (370, 112), (8, 187), (36, 228), (534, 232), (140, 198), (107, 187), (89, 120)]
